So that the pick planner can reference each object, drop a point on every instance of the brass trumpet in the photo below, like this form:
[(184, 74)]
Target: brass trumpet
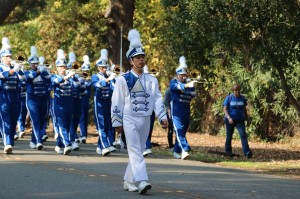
[(154, 71), (117, 70), (195, 75), (21, 59)]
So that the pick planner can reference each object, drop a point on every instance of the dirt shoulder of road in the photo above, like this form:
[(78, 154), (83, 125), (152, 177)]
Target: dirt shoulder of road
[(280, 158)]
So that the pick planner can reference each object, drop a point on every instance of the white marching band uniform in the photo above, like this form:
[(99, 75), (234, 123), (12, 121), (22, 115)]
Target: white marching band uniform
[(134, 99)]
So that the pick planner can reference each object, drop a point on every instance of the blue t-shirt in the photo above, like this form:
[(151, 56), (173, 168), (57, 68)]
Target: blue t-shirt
[(235, 106)]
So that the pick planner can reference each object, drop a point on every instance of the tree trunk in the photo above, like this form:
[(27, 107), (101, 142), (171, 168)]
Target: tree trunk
[(119, 15), (287, 89), (6, 6)]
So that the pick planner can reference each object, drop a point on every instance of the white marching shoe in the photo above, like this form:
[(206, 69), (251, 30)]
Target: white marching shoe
[(185, 155), (82, 140), (16, 136), (177, 155), (144, 187), (32, 145), (130, 186), (58, 150), (39, 146), (21, 134), (112, 149), (105, 151), (8, 149), (147, 152), (67, 150), (44, 138), (98, 151), (75, 146)]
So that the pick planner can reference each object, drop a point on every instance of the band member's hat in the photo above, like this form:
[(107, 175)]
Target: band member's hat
[(135, 47), (182, 69)]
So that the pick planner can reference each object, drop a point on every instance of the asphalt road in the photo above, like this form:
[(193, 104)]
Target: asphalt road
[(83, 174)]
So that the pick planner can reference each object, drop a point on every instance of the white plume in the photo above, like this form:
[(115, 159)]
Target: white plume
[(33, 51), (5, 43), (86, 59), (72, 57), (41, 60), (134, 38), (104, 55), (182, 62), (61, 54)]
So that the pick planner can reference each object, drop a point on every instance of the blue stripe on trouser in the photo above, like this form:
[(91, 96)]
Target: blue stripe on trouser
[(181, 120)]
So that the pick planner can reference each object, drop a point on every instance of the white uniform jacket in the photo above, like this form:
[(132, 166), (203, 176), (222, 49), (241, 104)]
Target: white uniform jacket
[(136, 95)]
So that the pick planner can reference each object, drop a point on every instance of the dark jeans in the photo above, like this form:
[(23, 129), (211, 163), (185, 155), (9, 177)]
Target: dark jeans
[(170, 132), (240, 126)]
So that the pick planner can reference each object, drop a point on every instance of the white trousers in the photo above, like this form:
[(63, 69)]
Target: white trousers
[(136, 131)]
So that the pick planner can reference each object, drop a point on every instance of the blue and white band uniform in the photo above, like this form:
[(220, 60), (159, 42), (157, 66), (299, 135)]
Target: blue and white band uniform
[(102, 105), (140, 97), (63, 106), (9, 102), (36, 101), (180, 110), (134, 99)]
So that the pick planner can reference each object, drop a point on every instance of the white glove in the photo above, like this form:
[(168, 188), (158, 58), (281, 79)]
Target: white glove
[(190, 84), (70, 74), (112, 76), (43, 69), (17, 67)]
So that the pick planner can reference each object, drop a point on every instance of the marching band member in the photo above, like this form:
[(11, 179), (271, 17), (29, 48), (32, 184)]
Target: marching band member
[(85, 99), (37, 81), (76, 103), (181, 96), (102, 103), (23, 112), (48, 97), (135, 96), (10, 77), (63, 102)]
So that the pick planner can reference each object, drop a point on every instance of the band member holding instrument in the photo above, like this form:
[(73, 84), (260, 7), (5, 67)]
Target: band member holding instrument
[(181, 96), (36, 99), (85, 99), (63, 102), (10, 76), (102, 103)]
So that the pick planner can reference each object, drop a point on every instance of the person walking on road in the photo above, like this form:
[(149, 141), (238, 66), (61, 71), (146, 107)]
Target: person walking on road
[(135, 96)]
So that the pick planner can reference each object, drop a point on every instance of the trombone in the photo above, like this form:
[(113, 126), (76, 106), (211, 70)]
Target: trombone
[(154, 72), (117, 70), (21, 59), (196, 76), (76, 68)]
